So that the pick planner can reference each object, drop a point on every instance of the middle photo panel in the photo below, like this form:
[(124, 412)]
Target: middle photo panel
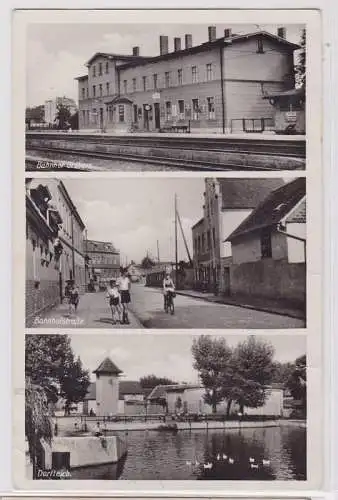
[(167, 253)]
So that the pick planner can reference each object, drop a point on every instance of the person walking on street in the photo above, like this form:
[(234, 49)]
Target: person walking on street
[(168, 288), (72, 293), (114, 297), (124, 289)]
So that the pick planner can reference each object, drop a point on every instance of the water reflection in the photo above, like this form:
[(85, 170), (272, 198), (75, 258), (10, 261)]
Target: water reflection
[(217, 455)]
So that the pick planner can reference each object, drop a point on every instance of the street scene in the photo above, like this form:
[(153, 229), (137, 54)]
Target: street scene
[(134, 407), (166, 253), (158, 97)]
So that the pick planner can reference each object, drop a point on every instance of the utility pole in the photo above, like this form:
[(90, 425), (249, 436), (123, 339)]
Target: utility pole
[(176, 249), (158, 251)]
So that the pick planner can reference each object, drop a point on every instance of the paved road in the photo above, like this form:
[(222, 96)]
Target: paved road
[(147, 305), (146, 311), (93, 312)]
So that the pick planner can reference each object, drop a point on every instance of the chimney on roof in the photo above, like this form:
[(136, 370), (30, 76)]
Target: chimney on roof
[(163, 45), (136, 51), (177, 44), (211, 33), (227, 33), (281, 32), (188, 41)]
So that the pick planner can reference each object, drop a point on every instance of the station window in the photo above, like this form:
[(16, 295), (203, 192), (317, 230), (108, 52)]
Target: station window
[(83, 93), (107, 67), (100, 69), (94, 70), (180, 77), (125, 86), (209, 72), (134, 84), (100, 89), (260, 47), (195, 109), (144, 80), (94, 91), (107, 88), (194, 76), (155, 81), (211, 108), (181, 109), (168, 110), (167, 79)]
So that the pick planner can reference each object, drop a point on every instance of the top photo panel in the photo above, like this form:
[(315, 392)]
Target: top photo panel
[(165, 97)]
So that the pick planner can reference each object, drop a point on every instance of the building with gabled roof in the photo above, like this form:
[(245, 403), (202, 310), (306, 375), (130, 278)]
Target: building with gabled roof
[(227, 202), (269, 247), (212, 86)]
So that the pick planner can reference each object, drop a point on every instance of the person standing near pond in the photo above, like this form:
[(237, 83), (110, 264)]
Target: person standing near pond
[(124, 285)]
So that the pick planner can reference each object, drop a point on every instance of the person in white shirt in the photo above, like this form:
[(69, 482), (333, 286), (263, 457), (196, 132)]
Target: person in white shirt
[(114, 297), (168, 287), (124, 289)]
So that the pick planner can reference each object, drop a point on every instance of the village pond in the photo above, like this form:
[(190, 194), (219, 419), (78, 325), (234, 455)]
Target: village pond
[(272, 453)]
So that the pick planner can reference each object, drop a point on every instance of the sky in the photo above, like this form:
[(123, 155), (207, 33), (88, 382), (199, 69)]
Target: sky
[(57, 53), (133, 213), (165, 355)]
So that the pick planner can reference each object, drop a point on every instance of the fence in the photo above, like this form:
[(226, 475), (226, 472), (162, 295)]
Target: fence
[(251, 125)]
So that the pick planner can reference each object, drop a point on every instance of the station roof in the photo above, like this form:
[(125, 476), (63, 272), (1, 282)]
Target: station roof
[(300, 91), (209, 45)]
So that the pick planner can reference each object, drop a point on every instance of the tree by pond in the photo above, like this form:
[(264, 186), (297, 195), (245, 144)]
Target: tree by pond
[(297, 383), (237, 375)]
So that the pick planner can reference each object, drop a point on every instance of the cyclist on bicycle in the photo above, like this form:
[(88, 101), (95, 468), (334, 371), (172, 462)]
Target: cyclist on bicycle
[(168, 288)]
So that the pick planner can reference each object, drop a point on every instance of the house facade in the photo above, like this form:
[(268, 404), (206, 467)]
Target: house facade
[(54, 244), (212, 87), (103, 260), (269, 247), (227, 202)]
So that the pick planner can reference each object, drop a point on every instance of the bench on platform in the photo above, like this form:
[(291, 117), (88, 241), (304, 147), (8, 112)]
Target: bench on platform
[(176, 128)]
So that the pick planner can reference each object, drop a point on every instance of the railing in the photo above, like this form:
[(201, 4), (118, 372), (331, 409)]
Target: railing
[(252, 125)]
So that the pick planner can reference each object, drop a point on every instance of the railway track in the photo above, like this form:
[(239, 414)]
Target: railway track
[(179, 164), (293, 148)]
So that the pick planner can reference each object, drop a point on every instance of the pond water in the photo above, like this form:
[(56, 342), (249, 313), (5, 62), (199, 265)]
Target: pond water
[(181, 456)]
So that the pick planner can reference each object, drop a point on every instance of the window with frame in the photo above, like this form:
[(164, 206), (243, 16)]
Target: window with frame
[(168, 110), (194, 75), (180, 77), (144, 82), (203, 243), (107, 67), (107, 88), (83, 93), (260, 46), (94, 90), (211, 108), (100, 89), (181, 113), (266, 247), (100, 68), (94, 70), (195, 109), (155, 81), (125, 86), (209, 72), (94, 114), (208, 239), (167, 79), (134, 84)]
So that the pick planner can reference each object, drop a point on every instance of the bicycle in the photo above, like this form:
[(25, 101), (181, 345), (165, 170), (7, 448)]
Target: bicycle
[(169, 302)]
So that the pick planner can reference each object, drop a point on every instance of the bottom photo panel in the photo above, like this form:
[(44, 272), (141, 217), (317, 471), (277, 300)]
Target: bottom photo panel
[(165, 407)]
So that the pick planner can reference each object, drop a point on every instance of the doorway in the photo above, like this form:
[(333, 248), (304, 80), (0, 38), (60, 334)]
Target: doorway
[(227, 281), (146, 116), (157, 115)]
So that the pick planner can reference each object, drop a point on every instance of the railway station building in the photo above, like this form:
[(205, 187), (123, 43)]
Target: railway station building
[(218, 86)]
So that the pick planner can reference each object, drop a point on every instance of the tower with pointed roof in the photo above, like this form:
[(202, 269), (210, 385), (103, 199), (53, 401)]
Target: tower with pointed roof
[(107, 388)]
